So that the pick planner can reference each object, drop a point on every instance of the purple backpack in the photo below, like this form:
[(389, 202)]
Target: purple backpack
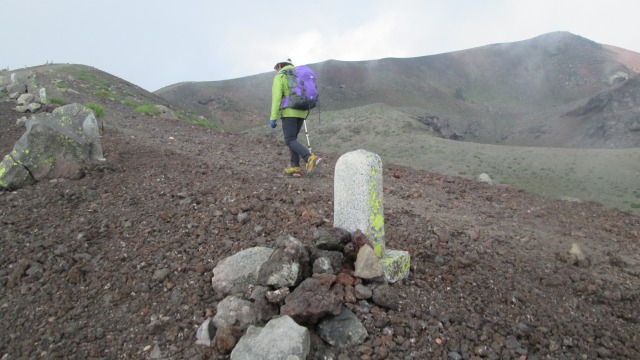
[(303, 94)]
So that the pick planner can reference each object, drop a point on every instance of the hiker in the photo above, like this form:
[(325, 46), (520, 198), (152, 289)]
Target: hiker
[(292, 122)]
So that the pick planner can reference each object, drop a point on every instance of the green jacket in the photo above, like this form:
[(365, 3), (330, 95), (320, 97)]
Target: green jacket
[(280, 90)]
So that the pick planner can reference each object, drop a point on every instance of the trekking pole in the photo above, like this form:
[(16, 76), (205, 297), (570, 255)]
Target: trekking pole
[(306, 133)]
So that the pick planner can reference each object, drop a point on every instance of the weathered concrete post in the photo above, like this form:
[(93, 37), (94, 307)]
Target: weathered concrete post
[(43, 95), (358, 204)]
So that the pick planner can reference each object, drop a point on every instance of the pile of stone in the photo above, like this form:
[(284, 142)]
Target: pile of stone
[(270, 298), (26, 102)]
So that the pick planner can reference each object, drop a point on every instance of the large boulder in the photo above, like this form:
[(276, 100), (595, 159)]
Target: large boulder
[(60, 144)]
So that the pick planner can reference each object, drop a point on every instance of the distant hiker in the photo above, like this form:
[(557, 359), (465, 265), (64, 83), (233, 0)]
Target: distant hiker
[(292, 120)]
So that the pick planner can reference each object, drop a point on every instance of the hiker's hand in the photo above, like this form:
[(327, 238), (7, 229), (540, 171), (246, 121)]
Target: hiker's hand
[(273, 124)]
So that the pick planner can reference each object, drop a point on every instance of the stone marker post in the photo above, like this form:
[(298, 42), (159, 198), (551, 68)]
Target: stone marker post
[(43, 95), (358, 204), (13, 78)]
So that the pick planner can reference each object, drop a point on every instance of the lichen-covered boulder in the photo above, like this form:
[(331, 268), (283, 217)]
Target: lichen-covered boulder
[(55, 145)]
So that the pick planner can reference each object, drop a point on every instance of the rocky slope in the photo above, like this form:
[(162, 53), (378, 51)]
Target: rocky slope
[(496, 273)]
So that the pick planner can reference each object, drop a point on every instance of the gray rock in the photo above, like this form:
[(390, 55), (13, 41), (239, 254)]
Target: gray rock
[(277, 296), (264, 308), (33, 107), (485, 179), (280, 339), (205, 333), (165, 112), (55, 145), (243, 218), (368, 264), (342, 330), (160, 275), (21, 121), (287, 265), (35, 270), (234, 311), (322, 266), (336, 257), (17, 88), (331, 238), (237, 272), (26, 99), (363, 292), (156, 353), (385, 296)]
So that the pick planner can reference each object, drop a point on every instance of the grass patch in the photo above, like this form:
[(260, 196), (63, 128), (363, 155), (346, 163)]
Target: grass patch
[(105, 94), (90, 78), (56, 101), (97, 109), (109, 95), (147, 109)]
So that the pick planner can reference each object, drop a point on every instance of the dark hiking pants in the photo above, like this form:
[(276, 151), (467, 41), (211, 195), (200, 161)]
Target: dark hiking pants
[(291, 128)]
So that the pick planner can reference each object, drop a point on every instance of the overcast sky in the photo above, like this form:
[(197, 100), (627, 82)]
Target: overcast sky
[(155, 43)]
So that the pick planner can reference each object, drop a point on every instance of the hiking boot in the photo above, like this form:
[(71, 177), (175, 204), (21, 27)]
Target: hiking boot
[(293, 171), (312, 163)]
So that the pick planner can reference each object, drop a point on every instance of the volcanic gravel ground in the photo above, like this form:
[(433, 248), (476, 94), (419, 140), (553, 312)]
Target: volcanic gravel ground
[(491, 274)]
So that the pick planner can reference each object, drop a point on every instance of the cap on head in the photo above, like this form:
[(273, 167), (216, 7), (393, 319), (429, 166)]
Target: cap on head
[(287, 61)]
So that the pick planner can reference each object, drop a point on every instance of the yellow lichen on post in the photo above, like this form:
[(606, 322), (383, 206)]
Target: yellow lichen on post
[(376, 217)]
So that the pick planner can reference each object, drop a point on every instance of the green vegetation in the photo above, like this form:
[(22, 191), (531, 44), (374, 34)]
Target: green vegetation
[(111, 96), (61, 85), (194, 119), (92, 79), (147, 109), (97, 109), (57, 101), (105, 94)]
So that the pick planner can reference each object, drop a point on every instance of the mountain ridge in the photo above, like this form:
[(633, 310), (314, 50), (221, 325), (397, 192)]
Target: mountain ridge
[(489, 94)]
